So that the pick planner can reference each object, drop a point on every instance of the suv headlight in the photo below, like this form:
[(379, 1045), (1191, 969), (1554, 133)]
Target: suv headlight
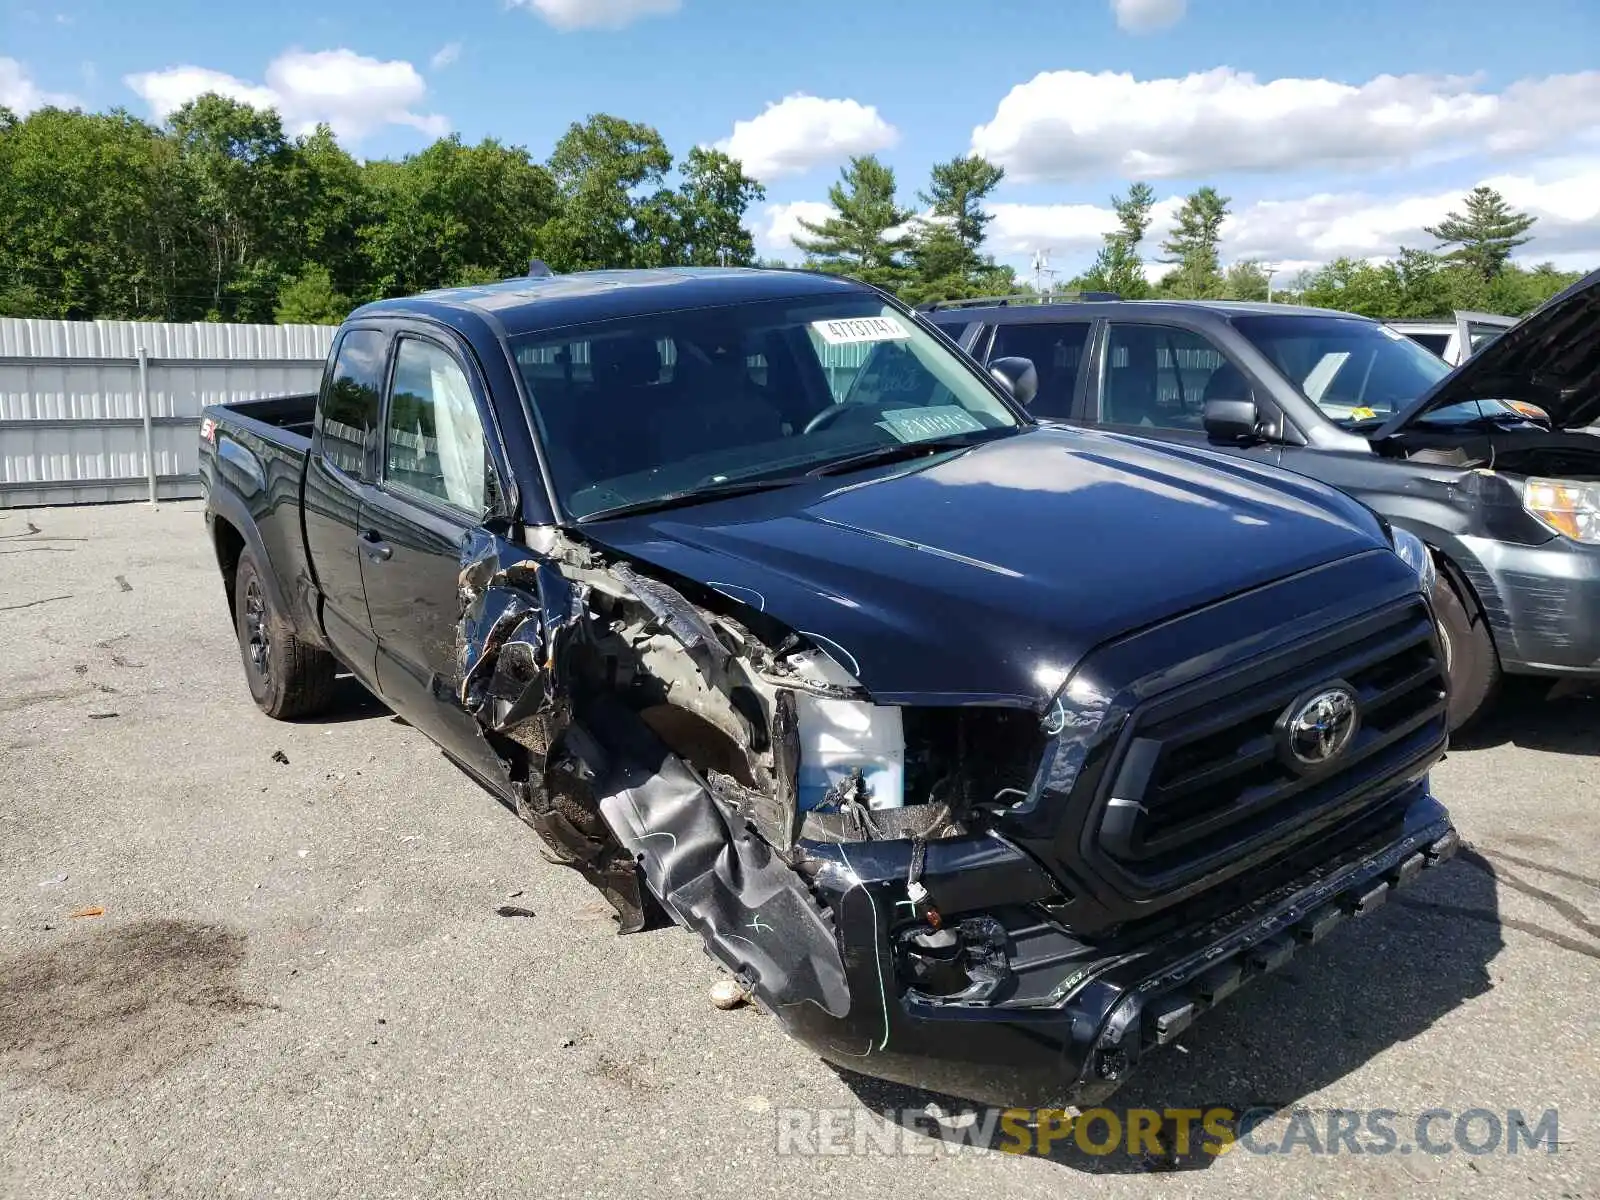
[(1571, 509), (1410, 548)]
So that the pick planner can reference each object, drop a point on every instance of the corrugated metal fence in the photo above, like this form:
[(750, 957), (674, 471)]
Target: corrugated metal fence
[(109, 410)]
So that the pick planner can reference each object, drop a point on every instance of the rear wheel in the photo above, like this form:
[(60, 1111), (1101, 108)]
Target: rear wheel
[(1469, 653), (287, 677)]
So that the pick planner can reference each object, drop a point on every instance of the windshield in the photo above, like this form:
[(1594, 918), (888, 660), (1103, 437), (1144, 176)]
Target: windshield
[(1359, 373), (636, 410)]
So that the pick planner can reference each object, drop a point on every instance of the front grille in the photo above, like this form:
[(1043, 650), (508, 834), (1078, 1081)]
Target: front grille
[(1203, 771)]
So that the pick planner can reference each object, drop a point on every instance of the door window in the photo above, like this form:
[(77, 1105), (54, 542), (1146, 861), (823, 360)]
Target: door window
[(1160, 377), (1056, 350), (349, 408), (433, 442)]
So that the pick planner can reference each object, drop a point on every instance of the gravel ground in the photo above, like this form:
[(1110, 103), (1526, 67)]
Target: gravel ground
[(299, 985)]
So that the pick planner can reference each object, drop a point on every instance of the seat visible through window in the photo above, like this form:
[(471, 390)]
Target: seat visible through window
[(433, 437), (1160, 377)]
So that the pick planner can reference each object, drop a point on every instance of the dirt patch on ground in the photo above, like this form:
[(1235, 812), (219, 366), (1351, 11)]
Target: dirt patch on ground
[(120, 1004)]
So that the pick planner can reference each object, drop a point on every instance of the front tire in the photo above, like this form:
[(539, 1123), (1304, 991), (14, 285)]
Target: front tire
[(1469, 654), (287, 677)]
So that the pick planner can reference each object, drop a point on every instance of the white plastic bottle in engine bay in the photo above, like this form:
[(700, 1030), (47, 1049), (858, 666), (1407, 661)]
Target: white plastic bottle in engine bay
[(840, 737)]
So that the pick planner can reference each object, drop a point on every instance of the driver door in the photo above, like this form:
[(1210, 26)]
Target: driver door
[(436, 482)]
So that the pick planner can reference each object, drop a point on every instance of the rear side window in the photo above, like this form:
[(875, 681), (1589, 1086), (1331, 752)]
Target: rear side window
[(434, 442), (349, 410), (1056, 350)]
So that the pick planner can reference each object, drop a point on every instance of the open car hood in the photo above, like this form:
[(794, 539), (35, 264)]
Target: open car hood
[(1550, 358)]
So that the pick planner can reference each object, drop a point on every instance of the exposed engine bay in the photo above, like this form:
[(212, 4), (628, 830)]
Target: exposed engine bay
[(1523, 451), (584, 673)]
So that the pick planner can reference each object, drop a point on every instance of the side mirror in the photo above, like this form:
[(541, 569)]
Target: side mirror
[(1017, 376), (1232, 421)]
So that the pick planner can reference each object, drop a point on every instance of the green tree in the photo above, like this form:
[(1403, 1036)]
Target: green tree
[(946, 252), (1516, 291), (1245, 280), (1486, 235), (706, 214), (310, 299), (236, 162), (609, 176), (1192, 247), (453, 213), (1352, 285), (1118, 267), (85, 227), (331, 204), (861, 237)]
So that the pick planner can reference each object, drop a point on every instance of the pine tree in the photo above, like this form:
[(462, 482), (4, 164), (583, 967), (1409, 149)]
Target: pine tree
[(1486, 236), (947, 250), (1193, 246), (1118, 267), (856, 240)]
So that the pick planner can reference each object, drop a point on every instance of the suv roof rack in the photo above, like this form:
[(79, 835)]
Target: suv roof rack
[(1017, 298)]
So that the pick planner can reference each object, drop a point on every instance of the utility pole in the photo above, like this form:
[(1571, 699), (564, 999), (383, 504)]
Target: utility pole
[(1043, 274)]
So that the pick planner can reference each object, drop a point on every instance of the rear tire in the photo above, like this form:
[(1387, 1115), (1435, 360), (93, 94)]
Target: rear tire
[(1469, 654), (287, 677)]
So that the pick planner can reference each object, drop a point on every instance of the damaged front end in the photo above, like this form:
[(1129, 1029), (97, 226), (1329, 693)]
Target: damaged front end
[(872, 875)]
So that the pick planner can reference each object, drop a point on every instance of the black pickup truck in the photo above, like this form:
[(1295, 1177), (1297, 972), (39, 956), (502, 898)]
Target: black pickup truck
[(986, 755)]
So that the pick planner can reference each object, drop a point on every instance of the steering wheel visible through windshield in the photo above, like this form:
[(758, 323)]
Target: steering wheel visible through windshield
[(636, 410)]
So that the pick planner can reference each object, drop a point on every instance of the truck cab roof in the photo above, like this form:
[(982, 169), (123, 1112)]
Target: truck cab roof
[(540, 302)]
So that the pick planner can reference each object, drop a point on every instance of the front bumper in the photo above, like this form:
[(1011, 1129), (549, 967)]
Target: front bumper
[(1542, 602), (1075, 1039)]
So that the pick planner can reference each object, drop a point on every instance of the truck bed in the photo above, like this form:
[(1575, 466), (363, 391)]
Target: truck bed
[(292, 414)]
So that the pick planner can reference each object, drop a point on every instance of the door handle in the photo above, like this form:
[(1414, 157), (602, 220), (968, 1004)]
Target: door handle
[(374, 547)]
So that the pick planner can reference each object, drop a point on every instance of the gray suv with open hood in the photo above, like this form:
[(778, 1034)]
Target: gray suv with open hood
[(1492, 465)]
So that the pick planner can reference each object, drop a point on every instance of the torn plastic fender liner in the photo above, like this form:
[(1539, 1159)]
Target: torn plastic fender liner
[(753, 911), (519, 615)]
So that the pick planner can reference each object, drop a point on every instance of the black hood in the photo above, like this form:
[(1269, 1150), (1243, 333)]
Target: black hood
[(985, 577), (1550, 358)]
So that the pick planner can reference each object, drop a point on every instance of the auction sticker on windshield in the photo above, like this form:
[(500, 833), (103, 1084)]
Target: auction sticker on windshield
[(939, 420), (851, 330)]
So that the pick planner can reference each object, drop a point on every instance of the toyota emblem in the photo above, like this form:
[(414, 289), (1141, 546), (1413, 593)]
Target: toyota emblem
[(1319, 727)]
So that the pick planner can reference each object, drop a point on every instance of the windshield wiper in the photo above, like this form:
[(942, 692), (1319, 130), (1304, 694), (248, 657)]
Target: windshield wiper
[(694, 495), (897, 451)]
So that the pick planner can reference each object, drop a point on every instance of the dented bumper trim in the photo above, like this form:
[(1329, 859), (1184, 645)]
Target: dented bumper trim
[(1112, 1012)]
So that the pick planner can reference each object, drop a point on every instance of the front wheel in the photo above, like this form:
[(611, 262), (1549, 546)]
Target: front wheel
[(287, 677), (1470, 658)]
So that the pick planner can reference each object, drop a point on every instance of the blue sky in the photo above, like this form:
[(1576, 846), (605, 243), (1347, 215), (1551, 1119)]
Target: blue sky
[(1340, 127)]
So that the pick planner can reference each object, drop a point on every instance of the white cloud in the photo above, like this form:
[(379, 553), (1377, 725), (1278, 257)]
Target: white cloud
[(597, 14), (801, 132), (166, 91), (1067, 229), (1147, 16), (1073, 124), (1063, 228), (21, 95), (779, 224), (445, 55), (352, 93), (1308, 231), (1565, 197)]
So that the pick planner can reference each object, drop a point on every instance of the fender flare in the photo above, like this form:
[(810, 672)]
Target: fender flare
[(228, 506)]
